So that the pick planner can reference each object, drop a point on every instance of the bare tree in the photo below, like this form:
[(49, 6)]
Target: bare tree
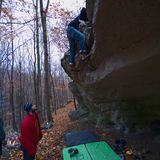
[(12, 81), (1, 6), (46, 64), (38, 93)]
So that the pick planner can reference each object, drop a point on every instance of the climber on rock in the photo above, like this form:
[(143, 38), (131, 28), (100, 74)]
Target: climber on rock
[(75, 34)]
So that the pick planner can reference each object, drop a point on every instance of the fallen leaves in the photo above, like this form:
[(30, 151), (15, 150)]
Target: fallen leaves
[(51, 145)]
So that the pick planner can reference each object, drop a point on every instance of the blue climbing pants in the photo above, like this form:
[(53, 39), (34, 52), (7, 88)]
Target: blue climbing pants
[(75, 36)]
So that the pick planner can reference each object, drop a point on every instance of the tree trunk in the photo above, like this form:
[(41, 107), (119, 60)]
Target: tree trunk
[(20, 92), (35, 73), (0, 6), (39, 94), (54, 95), (12, 84), (46, 64)]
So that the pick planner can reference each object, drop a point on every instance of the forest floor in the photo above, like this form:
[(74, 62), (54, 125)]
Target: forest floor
[(128, 146), (50, 146)]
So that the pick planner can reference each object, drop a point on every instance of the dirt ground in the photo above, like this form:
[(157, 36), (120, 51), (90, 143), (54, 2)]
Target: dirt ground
[(143, 146)]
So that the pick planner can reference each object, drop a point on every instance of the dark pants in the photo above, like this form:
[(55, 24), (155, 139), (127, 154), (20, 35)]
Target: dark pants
[(26, 155), (0, 147)]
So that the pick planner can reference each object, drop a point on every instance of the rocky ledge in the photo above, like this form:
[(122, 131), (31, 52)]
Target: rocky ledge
[(120, 84)]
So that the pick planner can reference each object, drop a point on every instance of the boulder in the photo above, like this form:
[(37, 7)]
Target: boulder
[(122, 74)]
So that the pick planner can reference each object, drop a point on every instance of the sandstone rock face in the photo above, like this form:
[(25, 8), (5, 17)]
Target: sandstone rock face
[(121, 80)]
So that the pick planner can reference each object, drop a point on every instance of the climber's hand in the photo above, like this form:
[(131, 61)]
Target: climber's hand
[(82, 23)]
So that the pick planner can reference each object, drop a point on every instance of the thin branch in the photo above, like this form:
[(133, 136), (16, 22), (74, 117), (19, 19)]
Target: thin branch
[(23, 23), (23, 44), (47, 5)]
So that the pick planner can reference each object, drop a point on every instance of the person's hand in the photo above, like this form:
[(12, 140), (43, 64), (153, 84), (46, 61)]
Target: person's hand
[(82, 26), (82, 23)]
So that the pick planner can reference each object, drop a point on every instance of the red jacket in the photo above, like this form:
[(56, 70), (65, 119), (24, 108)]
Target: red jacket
[(30, 133)]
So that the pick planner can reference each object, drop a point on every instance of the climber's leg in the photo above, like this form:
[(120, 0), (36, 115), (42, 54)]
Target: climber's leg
[(78, 36)]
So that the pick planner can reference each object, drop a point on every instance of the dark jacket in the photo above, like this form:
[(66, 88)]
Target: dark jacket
[(2, 133), (82, 16)]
